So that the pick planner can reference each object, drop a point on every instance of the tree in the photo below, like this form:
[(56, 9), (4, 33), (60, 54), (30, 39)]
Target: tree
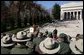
[(4, 15), (13, 13), (18, 13), (12, 21), (56, 11)]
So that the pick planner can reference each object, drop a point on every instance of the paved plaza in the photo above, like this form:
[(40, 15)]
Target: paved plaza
[(71, 28)]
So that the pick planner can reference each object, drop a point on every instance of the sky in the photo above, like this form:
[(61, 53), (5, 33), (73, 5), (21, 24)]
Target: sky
[(49, 4)]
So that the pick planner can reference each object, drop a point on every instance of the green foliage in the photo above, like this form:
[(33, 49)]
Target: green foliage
[(19, 13), (12, 21), (3, 26), (25, 21), (56, 11)]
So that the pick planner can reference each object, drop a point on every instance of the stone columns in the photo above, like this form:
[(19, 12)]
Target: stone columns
[(80, 15), (81, 23), (66, 15), (73, 15), (62, 15), (70, 15), (77, 15)]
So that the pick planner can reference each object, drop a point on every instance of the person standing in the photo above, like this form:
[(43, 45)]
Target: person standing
[(54, 34)]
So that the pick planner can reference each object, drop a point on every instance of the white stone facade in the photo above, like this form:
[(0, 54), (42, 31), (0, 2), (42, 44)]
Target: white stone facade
[(72, 11)]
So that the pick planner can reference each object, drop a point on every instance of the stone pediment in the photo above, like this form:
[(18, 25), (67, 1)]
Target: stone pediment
[(72, 4)]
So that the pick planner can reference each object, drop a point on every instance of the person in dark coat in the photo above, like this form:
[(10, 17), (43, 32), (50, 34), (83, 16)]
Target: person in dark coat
[(48, 46), (21, 47), (69, 38), (38, 39), (6, 44), (30, 43), (31, 47), (64, 45), (37, 50)]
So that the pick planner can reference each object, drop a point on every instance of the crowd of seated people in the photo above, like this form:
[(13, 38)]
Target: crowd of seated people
[(35, 42)]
